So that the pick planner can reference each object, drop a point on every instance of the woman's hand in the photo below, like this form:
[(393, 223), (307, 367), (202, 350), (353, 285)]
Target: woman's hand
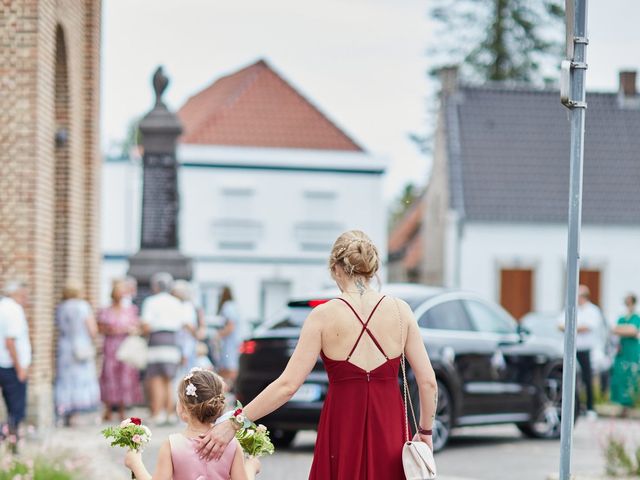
[(212, 444), (428, 439)]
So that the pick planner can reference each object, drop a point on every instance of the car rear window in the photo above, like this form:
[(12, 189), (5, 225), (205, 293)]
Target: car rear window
[(292, 317)]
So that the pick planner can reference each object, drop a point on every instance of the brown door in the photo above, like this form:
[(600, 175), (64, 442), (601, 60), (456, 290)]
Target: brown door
[(591, 278), (516, 291)]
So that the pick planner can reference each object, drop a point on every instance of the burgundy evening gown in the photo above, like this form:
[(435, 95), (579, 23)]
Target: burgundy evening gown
[(360, 434)]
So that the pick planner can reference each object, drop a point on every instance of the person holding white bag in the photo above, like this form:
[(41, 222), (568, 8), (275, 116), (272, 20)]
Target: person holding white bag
[(119, 382)]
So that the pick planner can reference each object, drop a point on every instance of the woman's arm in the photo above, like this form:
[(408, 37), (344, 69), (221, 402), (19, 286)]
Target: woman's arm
[(418, 358), (92, 327), (164, 467), (625, 330), (279, 391), (228, 329)]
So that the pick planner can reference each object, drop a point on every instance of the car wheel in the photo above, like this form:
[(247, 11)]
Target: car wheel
[(282, 438), (444, 414), (547, 420)]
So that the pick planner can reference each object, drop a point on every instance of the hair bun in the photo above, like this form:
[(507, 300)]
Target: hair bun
[(356, 253)]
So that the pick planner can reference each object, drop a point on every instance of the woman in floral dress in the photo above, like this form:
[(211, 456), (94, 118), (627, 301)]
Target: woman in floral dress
[(625, 373), (119, 382)]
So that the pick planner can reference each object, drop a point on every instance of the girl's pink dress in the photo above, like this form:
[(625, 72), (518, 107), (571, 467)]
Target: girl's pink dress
[(188, 466), (119, 382)]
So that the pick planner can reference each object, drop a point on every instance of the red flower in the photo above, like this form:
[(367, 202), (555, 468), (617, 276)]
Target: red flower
[(136, 421), (237, 412)]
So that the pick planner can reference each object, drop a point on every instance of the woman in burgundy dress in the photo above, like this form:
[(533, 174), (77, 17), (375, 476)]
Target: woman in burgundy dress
[(360, 340), (119, 382)]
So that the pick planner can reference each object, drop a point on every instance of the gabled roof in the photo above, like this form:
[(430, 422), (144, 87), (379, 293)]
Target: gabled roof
[(256, 107), (508, 154)]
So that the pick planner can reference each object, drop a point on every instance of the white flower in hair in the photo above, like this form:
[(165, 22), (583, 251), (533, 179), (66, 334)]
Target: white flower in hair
[(191, 390)]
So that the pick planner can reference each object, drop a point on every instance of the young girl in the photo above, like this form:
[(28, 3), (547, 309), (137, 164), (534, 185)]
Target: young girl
[(200, 403)]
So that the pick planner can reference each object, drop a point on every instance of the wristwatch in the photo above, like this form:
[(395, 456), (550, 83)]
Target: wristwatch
[(424, 431)]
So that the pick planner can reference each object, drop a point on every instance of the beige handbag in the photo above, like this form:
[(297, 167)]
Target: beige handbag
[(417, 457)]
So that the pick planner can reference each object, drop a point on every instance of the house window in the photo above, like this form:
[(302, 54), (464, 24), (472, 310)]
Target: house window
[(236, 227), (320, 205), (237, 202), (516, 291), (318, 230)]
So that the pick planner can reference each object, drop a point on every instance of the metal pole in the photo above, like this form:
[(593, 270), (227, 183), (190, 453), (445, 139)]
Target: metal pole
[(577, 113)]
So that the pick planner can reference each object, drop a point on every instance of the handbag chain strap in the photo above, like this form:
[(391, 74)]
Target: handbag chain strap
[(405, 385)]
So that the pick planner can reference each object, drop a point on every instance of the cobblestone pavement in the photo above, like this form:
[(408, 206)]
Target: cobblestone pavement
[(487, 453)]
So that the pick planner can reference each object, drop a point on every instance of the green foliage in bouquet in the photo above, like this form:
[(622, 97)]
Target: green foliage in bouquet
[(255, 441)]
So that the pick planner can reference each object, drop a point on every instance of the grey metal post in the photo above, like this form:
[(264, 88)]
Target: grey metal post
[(577, 104)]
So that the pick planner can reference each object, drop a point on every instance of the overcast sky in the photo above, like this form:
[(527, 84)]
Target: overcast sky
[(362, 62)]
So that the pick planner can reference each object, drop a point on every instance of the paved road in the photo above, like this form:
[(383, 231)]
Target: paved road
[(487, 453)]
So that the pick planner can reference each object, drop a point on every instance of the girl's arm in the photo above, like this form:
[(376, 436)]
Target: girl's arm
[(242, 469), (164, 467), (418, 358), (280, 391)]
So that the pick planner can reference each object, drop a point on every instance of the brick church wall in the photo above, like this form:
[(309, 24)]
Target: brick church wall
[(49, 78)]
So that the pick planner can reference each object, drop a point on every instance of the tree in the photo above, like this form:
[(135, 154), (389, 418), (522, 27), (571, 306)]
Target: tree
[(500, 40), (410, 193)]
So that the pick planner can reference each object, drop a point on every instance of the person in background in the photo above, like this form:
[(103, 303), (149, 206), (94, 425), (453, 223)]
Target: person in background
[(193, 330), (589, 324), (202, 357), (119, 382), (625, 373), (15, 352), (76, 385), (130, 290), (228, 337), (163, 316)]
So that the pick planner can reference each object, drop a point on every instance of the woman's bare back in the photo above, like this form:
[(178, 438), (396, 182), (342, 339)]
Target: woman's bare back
[(341, 329)]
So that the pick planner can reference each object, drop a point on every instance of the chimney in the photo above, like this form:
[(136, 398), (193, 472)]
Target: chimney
[(628, 83), (448, 79)]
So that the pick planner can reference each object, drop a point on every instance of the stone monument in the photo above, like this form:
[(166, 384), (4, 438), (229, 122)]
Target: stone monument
[(159, 240)]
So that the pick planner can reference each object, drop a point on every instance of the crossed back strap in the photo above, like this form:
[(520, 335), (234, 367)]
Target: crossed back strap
[(365, 328)]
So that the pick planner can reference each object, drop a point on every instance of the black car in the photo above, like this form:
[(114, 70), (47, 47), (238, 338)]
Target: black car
[(489, 370)]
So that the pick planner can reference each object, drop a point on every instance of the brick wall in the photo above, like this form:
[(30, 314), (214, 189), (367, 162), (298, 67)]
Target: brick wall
[(49, 78)]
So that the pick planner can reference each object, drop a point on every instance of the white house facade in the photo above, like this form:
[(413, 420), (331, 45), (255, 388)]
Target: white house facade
[(497, 202), (258, 218)]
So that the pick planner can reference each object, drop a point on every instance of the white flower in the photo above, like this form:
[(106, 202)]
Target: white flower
[(125, 422), (146, 430), (240, 418), (261, 428), (191, 390)]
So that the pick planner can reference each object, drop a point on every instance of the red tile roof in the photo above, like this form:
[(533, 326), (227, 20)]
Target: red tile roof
[(256, 107), (406, 240)]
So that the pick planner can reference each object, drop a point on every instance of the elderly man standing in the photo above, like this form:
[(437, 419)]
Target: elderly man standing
[(163, 317), (15, 352)]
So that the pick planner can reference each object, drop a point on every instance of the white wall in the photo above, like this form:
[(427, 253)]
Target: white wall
[(267, 223), (488, 247)]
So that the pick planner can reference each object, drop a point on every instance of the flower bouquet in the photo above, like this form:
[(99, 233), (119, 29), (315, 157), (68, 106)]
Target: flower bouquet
[(254, 439), (131, 434)]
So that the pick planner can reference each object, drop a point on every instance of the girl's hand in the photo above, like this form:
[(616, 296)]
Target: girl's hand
[(132, 459), (252, 464), (428, 439)]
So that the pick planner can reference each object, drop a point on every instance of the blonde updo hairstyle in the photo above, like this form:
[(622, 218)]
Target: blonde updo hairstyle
[(208, 403), (356, 254)]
